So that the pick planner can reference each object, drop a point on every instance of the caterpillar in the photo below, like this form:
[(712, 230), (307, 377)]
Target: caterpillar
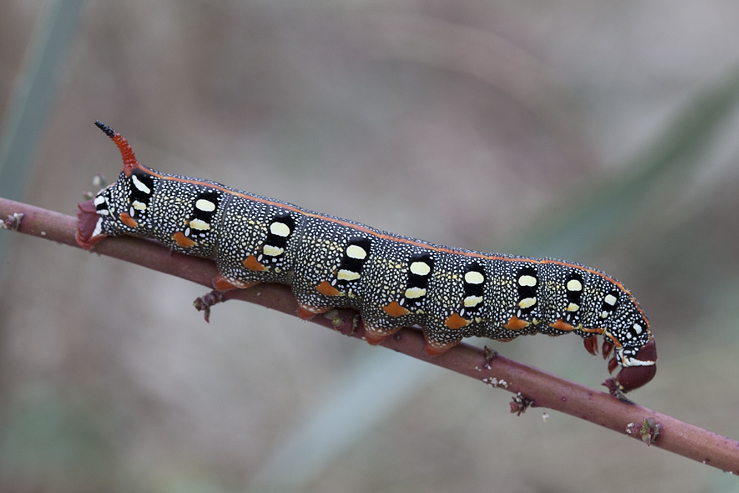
[(393, 281)]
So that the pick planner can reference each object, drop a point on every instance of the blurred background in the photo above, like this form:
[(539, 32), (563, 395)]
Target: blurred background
[(601, 132)]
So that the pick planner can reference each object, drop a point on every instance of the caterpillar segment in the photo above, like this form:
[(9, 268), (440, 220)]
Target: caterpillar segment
[(393, 281)]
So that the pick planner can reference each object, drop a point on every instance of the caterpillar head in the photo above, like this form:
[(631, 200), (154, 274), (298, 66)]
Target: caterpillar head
[(635, 349), (115, 210)]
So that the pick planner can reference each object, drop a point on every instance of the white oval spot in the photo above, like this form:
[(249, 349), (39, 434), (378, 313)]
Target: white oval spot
[(99, 200), (140, 185), (98, 228), (474, 277), (205, 205), (139, 206), (527, 302), (611, 300), (604, 314), (572, 307), (527, 280), (279, 229), (574, 285), (413, 293), (420, 268), (356, 251), (637, 329)]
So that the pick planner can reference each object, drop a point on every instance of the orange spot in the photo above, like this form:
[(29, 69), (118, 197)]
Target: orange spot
[(515, 323), (562, 325), (455, 321), (395, 310), (182, 240), (592, 331), (327, 289), (252, 263), (306, 312), (128, 220), (222, 283)]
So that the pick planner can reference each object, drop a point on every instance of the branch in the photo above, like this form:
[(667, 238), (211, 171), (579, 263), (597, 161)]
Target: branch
[(531, 386)]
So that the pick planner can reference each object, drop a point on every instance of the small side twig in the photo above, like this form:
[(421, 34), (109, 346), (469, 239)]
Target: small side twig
[(543, 389)]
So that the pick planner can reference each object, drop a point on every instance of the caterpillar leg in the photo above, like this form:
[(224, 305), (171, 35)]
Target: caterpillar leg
[(306, 312), (375, 335), (608, 346), (436, 348), (222, 283), (591, 344)]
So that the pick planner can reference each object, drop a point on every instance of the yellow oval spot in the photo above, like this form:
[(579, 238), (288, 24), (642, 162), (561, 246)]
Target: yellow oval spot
[(604, 314), (572, 307), (199, 224), (527, 302), (279, 229), (471, 301), (273, 251), (574, 285), (139, 206), (474, 277), (527, 281), (356, 251), (420, 268), (611, 300), (413, 293), (205, 205), (347, 275)]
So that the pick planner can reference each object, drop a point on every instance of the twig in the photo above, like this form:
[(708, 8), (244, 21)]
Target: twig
[(531, 386)]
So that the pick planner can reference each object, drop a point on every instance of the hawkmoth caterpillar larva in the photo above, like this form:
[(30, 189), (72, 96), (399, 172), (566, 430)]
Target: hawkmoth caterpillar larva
[(394, 281)]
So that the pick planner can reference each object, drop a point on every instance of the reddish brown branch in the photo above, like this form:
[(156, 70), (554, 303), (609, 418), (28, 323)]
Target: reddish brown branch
[(543, 389)]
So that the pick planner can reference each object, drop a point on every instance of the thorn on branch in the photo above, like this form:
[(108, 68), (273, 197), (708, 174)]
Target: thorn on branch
[(203, 303), (489, 355), (649, 430), (13, 221), (340, 322), (520, 404)]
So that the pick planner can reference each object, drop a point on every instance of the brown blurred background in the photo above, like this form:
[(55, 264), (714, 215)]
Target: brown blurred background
[(602, 132)]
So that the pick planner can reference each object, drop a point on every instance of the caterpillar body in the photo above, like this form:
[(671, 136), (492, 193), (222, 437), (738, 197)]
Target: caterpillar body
[(394, 281)]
